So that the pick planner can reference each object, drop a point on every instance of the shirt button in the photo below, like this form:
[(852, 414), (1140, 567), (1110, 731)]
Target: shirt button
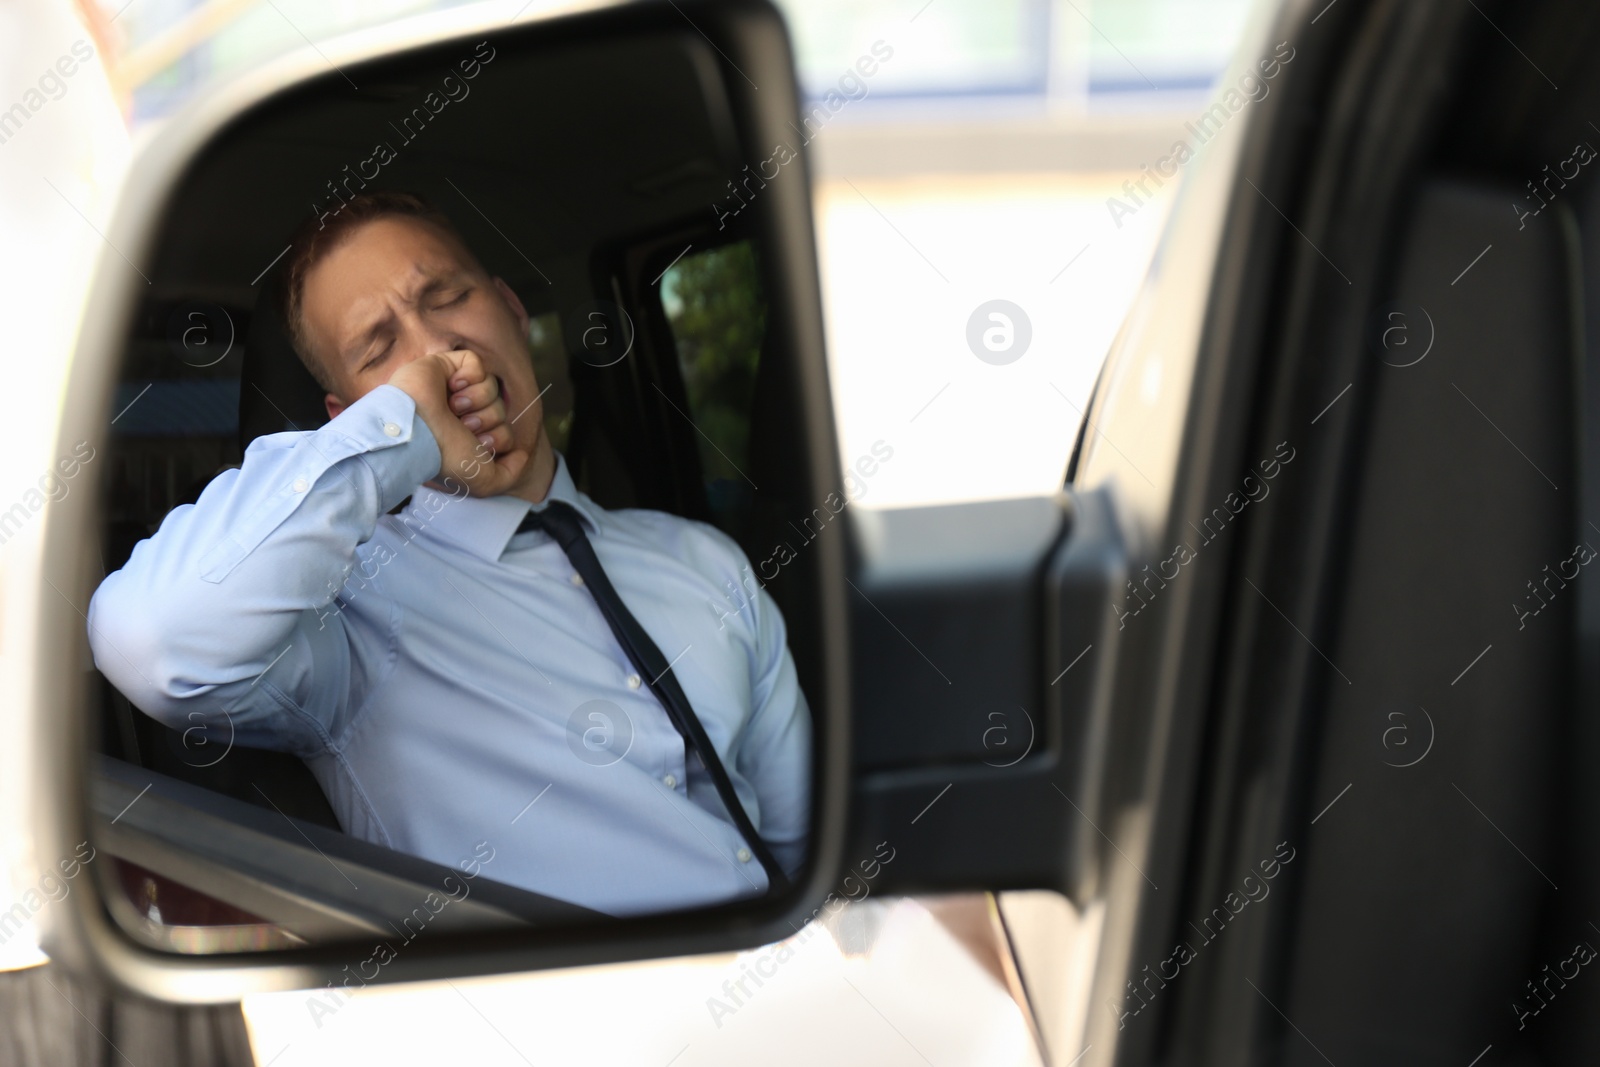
[(392, 429), (744, 855), (300, 485), (633, 681), (577, 579), (670, 781)]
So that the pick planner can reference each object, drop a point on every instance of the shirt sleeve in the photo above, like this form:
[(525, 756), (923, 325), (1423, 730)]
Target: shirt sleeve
[(775, 753), (217, 621)]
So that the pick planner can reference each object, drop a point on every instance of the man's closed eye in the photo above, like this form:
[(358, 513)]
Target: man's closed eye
[(377, 357)]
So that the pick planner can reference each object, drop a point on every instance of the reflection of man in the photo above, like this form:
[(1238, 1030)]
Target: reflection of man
[(471, 667)]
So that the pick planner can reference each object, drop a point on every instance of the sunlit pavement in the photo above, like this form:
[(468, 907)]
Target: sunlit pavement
[(901, 990)]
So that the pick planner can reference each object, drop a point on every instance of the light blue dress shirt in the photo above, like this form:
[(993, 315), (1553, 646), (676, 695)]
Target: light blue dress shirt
[(448, 682)]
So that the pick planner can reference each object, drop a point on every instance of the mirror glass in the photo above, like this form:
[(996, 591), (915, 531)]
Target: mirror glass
[(370, 665)]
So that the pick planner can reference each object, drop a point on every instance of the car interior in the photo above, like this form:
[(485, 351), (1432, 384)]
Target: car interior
[(587, 177)]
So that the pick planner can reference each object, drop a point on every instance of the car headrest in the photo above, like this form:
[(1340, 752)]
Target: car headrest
[(276, 392)]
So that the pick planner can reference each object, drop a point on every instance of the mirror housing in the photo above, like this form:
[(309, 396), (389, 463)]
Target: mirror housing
[(730, 44)]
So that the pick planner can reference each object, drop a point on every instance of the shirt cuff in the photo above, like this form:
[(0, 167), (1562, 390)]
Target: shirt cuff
[(385, 417)]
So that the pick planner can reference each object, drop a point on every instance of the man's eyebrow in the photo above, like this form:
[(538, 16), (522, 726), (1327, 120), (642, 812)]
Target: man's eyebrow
[(443, 280)]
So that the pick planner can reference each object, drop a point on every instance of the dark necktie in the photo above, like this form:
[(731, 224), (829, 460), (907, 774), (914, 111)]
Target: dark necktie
[(561, 522)]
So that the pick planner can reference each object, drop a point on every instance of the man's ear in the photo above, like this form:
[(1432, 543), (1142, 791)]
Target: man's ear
[(333, 404), (513, 302)]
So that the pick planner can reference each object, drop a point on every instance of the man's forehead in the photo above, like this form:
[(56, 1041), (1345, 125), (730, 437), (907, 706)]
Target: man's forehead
[(408, 277), (405, 249)]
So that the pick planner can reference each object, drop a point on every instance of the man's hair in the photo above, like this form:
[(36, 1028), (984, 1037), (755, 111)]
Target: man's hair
[(321, 234)]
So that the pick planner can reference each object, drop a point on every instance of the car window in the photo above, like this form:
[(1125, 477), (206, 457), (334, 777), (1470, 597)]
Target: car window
[(550, 365), (714, 305)]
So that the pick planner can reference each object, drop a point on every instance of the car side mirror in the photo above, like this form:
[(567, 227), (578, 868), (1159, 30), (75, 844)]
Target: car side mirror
[(634, 173)]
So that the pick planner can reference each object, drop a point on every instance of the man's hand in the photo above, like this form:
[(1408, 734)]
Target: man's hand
[(462, 406)]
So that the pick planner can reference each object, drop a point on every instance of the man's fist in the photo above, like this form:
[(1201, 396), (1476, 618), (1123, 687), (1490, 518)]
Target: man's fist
[(461, 403)]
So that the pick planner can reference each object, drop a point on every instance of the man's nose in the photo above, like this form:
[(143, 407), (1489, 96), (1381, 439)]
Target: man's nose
[(428, 338)]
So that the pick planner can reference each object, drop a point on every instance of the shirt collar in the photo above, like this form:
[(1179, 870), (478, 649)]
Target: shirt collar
[(485, 525)]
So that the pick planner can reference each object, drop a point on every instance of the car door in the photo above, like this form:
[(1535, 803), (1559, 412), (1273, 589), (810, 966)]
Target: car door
[(1337, 772)]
